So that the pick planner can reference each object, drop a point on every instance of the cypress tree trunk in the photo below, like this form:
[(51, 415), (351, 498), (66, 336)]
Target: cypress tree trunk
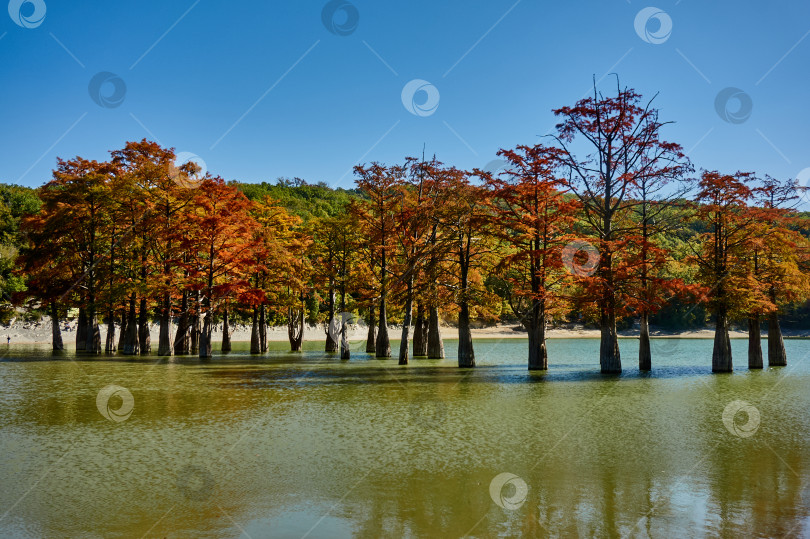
[(295, 329), (56, 331), (435, 342), (262, 328), (721, 355), (131, 345), (205, 336), (165, 343), (144, 337), (404, 343), (181, 338), (644, 352), (93, 345), (466, 354), (754, 343), (226, 332), (345, 353), (382, 347), (81, 331), (420, 333), (609, 358), (195, 325), (123, 332), (255, 347), (372, 332), (538, 355), (331, 343), (109, 346), (777, 357)]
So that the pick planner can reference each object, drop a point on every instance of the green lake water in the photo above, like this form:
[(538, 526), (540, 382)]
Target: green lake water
[(295, 445)]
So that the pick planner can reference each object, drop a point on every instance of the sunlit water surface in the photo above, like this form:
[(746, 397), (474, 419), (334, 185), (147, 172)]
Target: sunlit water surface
[(293, 445)]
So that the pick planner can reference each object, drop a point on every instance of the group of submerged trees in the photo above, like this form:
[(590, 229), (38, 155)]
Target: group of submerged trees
[(578, 224)]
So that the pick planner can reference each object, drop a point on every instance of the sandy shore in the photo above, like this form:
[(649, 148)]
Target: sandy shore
[(35, 333)]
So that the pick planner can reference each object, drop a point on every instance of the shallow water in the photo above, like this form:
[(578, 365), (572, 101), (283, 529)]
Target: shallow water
[(293, 445)]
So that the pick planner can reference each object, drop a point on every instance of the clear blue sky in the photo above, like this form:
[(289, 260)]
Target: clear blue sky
[(312, 102)]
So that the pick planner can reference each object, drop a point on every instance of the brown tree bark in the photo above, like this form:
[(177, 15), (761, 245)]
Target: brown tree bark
[(263, 328), (81, 331), (644, 351), (435, 342), (226, 332), (165, 344), (144, 336), (295, 329), (195, 325), (721, 354), (56, 331), (109, 346), (404, 343), (122, 333), (382, 347), (255, 346), (93, 345), (420, 332), (538, 355), (466, 354), (205, 336), (331, 343), (754, 343), (181, 337), (131, 344), (777, 357)]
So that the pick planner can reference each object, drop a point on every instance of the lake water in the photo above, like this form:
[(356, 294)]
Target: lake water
[(294, 445)]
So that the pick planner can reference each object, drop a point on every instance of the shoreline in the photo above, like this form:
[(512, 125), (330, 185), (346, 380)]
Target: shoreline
[(40, 333)]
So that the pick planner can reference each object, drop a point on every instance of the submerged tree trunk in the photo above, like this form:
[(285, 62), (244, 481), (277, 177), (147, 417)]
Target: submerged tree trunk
[(81, 330), (165, 344), (295, 329), (205, 336), (262, 328), (109, 346), (777, 357), (255, 347), (122, 334), (721, 355), (754, 343), (466, 354), (331, 343), (181, 337), (345, 352), (372, 332), (435, 342), (420, 333), (382, 347), (538, 355), (610, 360), (131, 345), (56, 331), (644, 352), (404, 343), (195, 325), (226, 332), (144, 337), (93, 345)]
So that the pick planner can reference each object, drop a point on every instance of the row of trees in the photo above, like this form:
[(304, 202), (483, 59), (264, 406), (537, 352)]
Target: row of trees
[(582, 223)]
